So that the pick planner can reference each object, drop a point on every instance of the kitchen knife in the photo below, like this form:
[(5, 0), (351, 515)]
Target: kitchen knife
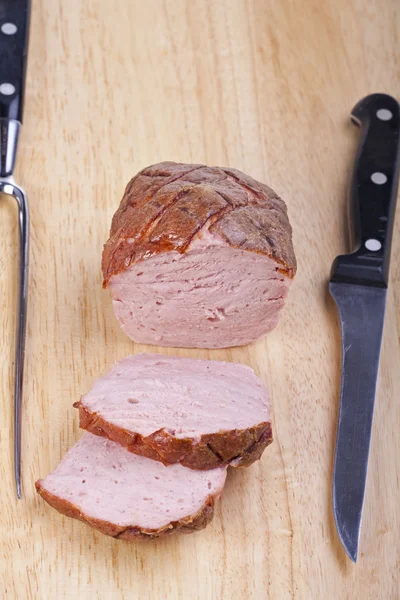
[(14, 30), (358, 285)]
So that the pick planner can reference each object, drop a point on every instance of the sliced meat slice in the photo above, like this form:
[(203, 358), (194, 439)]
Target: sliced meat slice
[(130, 497), (197, 412)]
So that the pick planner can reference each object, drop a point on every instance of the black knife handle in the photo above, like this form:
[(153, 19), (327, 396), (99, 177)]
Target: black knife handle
[(14, 33), (373, 193)]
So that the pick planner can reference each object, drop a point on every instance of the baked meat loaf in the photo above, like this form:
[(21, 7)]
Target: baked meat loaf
[(198, 257)]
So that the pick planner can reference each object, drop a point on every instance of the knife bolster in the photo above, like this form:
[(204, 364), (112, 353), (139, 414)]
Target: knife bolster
[(360, 269)]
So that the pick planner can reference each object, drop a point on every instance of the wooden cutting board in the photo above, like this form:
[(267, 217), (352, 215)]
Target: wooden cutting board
[(263, 86)]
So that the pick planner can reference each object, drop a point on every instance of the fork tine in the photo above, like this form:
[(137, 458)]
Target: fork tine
[(7, 186), (23, 214)]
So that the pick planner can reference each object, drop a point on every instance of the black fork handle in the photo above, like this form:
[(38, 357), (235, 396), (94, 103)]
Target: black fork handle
[(14, 33)]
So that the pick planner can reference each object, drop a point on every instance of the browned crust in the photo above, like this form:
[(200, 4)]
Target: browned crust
[(239, 447), (166, 205), (132, 533)]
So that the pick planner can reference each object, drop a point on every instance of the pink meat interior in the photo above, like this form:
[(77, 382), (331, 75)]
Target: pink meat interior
[(106, 482), (209, 297), (187, 397)]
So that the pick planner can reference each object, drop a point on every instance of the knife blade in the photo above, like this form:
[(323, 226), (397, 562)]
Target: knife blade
[(358, 285)]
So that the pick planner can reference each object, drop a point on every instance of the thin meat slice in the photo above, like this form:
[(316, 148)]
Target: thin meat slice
[(127, 496), (178, 410), (198, 257)]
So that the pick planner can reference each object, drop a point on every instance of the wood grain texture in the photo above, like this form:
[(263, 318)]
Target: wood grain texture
[(262, 86)]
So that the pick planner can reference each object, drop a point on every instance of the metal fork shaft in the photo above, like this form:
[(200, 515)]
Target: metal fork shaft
[(9, 187)]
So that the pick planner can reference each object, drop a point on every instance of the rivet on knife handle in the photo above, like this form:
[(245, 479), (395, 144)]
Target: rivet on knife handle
[(14, 30), (359, 285)]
